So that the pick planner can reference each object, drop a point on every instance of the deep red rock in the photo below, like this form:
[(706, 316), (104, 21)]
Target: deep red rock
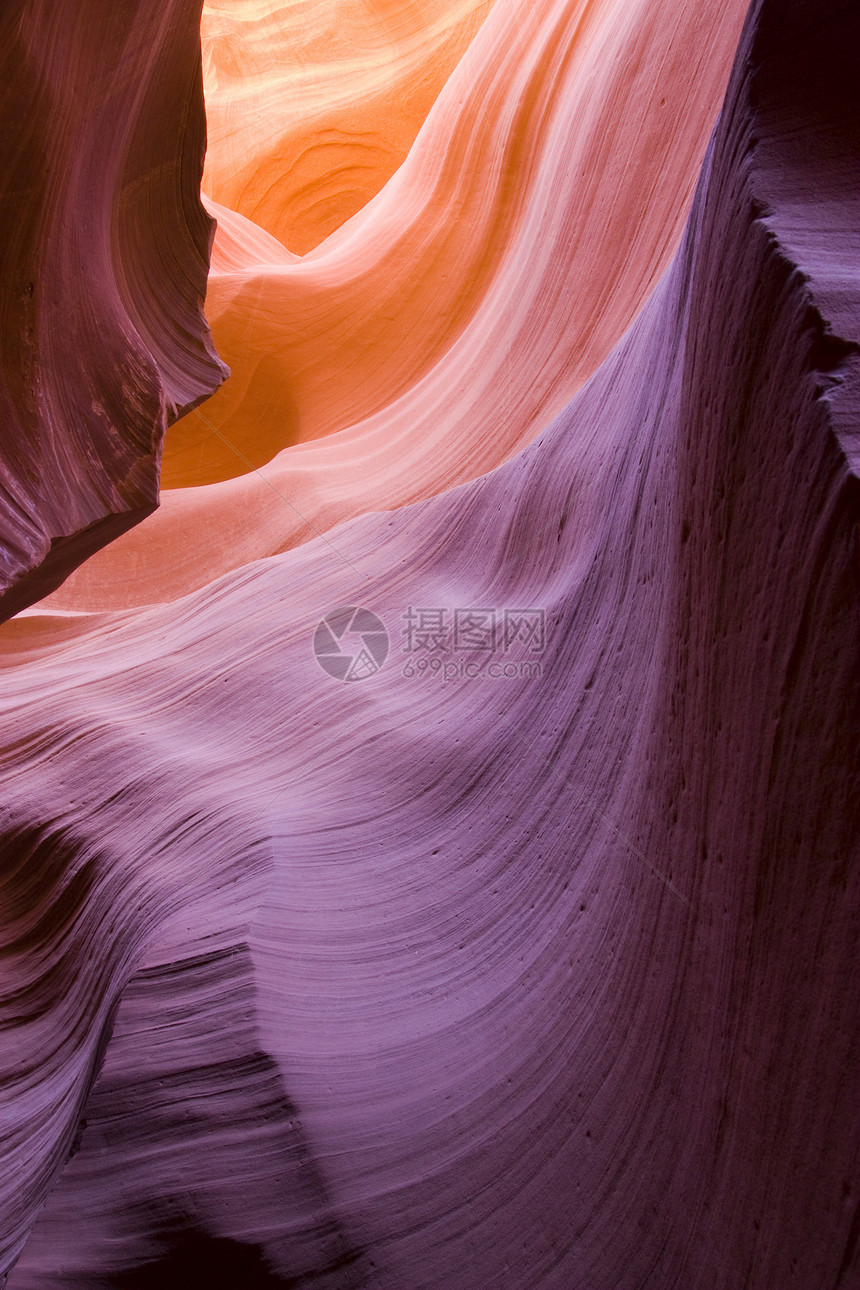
[(103, 263)]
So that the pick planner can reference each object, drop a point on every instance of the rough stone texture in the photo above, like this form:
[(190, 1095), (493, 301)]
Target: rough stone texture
[(103, 263), (546, 982)]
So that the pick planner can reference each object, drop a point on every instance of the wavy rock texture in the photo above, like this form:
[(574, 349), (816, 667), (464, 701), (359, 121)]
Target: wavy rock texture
[(539, 982), (542, 200), (312, 107), (103, 267)]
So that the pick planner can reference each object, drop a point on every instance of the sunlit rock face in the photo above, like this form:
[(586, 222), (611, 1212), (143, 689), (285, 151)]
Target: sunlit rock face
[(103, 262), (483, 979), (443, 327), (313, 106)]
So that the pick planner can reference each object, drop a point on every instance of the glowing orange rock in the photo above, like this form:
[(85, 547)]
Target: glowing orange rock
[(311, 108), (446, 324)]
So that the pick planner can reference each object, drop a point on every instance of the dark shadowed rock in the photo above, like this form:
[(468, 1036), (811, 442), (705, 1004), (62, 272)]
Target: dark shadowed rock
[(103, 263)]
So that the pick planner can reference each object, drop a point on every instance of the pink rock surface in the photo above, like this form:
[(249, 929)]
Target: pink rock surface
[(103, 266), (546, 981)]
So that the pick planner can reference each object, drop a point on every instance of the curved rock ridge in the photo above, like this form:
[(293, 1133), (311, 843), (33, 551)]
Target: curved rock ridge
[(312, 107), (550, 977), (103, 263), (445, 325), (239, 242)]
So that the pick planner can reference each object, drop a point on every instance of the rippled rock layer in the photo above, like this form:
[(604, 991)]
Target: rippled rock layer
[(542, 977), (442, 327)]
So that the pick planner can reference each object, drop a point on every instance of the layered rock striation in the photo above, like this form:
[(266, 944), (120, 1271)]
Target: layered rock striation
[(531, 979), (440, 329), (103, 269)]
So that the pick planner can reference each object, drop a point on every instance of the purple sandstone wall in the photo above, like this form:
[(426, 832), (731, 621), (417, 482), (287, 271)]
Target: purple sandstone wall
[(547, 982)]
